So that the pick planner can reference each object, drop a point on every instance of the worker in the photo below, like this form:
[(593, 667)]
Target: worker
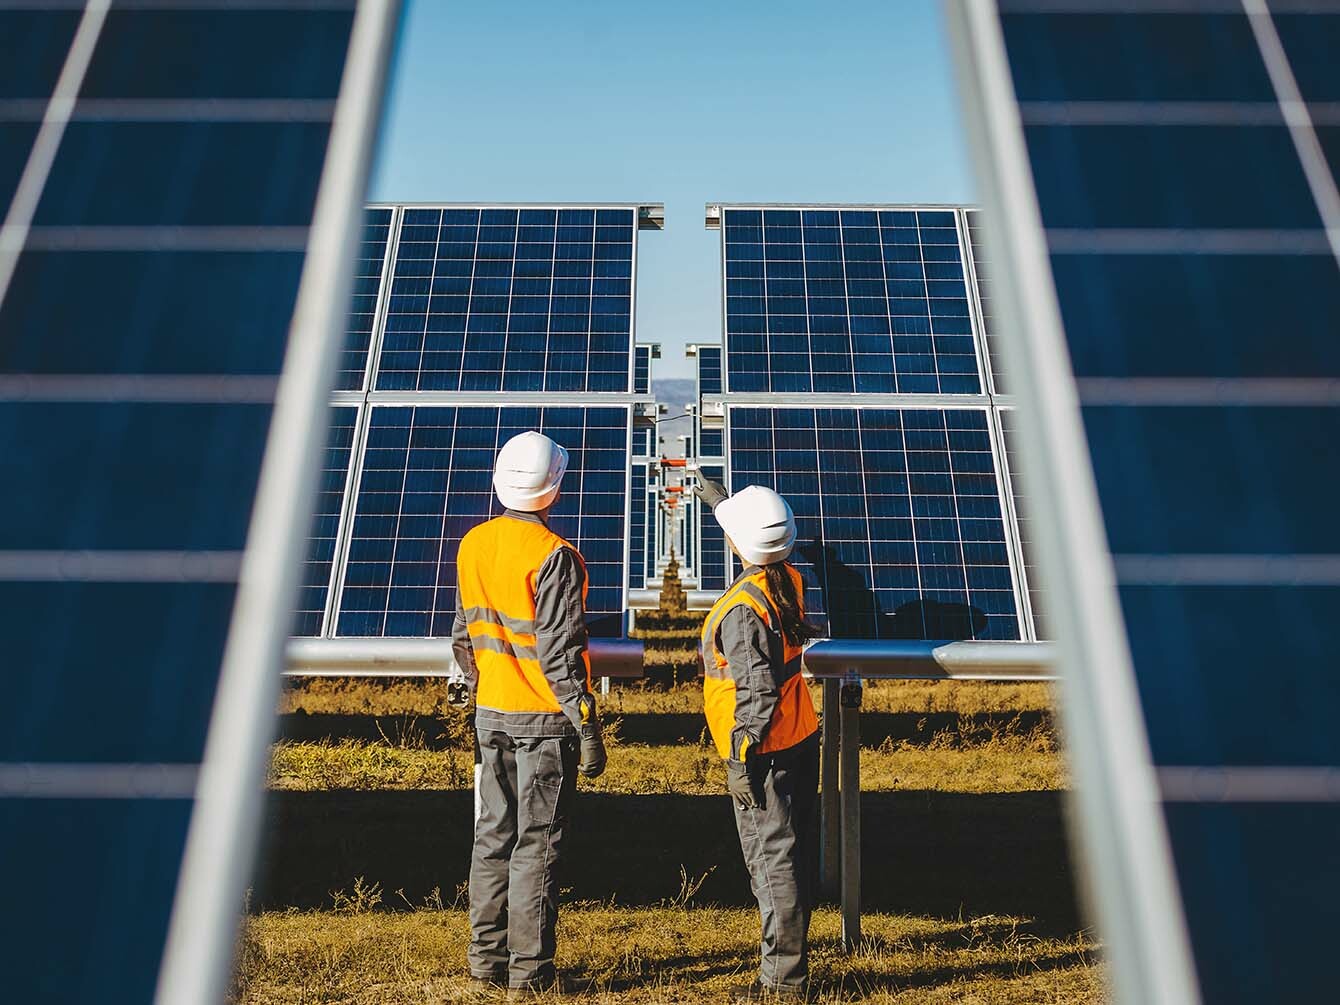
[(520, 640), (762, 721)]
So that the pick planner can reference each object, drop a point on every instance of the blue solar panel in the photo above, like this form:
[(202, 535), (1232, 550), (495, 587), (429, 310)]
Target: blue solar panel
[(900, 529), (1199, 294), (141, 338), (638, 503), (492, 299), (712, 443), (368, 269), (982, 288), (427, 479), (1022, 520), (644, 437), (714, 573), (326, 523), (850, 300), (642, 370), (709, 370)]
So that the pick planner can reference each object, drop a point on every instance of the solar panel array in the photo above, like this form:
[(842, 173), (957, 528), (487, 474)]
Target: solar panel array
[(144, 317), (846, 301), (507, 299), (902, 495), (1184, 163), (487, 321)]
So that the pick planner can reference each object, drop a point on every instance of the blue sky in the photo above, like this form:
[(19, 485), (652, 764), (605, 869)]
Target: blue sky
[(681, 103)]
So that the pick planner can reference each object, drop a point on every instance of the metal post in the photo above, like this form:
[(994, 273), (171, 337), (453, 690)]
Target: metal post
[(850, 793), (829, 821)]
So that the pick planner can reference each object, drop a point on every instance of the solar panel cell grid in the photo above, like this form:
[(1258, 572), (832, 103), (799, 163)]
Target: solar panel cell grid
[(865, 301), (368, 270), (900, 529), (1022, 520), (642, 370), (315, 586), (714, 574), (510, 300), (712, 442), (637, 526), (427, 479), (709, 370)]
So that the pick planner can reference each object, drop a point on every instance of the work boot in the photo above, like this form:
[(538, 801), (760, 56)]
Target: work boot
[(758, 992), (557, 988)]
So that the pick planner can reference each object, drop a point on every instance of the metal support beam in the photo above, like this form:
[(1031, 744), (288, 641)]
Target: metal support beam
[(621, 658), (850, 761), (830, 832)]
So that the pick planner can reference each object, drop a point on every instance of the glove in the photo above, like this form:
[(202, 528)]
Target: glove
[(708, 491), (592, 764), (741, 786)]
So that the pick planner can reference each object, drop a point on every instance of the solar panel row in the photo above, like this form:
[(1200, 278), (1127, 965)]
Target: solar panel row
[(642, 370), (1183, 158), (638, 506), (144, 318)]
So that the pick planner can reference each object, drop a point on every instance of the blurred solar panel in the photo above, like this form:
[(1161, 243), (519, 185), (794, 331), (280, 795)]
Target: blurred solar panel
[(142, 332), (642, 370), (325, 523), (638, 505), (846, 301), (1022, 518), (498, 299), (1199, 292), (900, 529), (368, 271), (427, 479), (712, 443), (709, 370), (981, 277), (714, 573), (644, 438)]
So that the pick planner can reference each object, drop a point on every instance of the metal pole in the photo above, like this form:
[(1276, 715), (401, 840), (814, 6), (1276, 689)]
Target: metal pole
[(850, 757), (829, 821)]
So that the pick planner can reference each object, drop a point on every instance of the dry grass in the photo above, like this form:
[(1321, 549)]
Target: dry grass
[(672, 953)]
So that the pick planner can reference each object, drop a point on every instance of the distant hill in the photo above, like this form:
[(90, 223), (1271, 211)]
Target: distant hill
[(674, 392)]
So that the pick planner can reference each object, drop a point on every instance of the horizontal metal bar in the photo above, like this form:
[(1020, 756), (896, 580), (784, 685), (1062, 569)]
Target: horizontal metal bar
[(620, 658), (913, 659), (697, 600)]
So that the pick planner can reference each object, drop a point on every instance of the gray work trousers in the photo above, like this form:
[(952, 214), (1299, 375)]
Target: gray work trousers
[(525, 792), (779, 844)]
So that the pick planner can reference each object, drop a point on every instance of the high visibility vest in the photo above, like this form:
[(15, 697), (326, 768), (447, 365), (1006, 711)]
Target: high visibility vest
[(496, 570), (793, 720)]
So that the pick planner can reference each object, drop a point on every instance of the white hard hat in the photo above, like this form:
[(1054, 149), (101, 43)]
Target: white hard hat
[(528, 472), (759, 523)]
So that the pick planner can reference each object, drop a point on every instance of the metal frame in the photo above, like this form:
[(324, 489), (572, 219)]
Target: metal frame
[(221, 838), (1123, 838)]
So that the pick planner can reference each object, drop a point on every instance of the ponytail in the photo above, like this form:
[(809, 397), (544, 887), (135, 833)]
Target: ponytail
[(782, 588)]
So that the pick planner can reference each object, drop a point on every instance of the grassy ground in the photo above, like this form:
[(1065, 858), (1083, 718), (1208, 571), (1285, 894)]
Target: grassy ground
[(966, 884)]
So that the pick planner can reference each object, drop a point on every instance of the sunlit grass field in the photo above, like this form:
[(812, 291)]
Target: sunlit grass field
[(967, 889)]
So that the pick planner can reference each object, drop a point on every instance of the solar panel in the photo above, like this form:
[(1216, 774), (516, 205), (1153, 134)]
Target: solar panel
[(1189, 211), (982, 287), (326, 523), (644, 437), (642, 370), (847, 301), (1022, 519), (638, 505), (898, 514), (510, 299), (368, 270), (427, 479), (712, 442), (709, 370), (144, 317), (714, 571)]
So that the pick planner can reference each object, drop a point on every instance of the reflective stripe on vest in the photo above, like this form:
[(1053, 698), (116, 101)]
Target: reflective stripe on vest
[(496, 570), (793, 719)]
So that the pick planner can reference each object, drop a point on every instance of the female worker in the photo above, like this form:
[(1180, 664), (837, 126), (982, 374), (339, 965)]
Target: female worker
[(762, 721)]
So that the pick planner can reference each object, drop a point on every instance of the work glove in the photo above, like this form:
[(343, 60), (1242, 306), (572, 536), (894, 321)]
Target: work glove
[(592, 764), (740, 784), (708, 491)]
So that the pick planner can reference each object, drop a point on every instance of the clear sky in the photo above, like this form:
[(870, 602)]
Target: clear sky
[(683, 102)]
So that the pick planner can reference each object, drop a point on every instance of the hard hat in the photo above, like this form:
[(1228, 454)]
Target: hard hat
[(759, 523), (528, 472)]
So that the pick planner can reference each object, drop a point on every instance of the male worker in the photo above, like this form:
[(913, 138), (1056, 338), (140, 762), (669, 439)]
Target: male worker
[(520, 639)]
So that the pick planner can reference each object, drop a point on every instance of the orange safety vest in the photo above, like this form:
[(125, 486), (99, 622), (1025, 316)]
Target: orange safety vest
[(793, 720), (496, 569)]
